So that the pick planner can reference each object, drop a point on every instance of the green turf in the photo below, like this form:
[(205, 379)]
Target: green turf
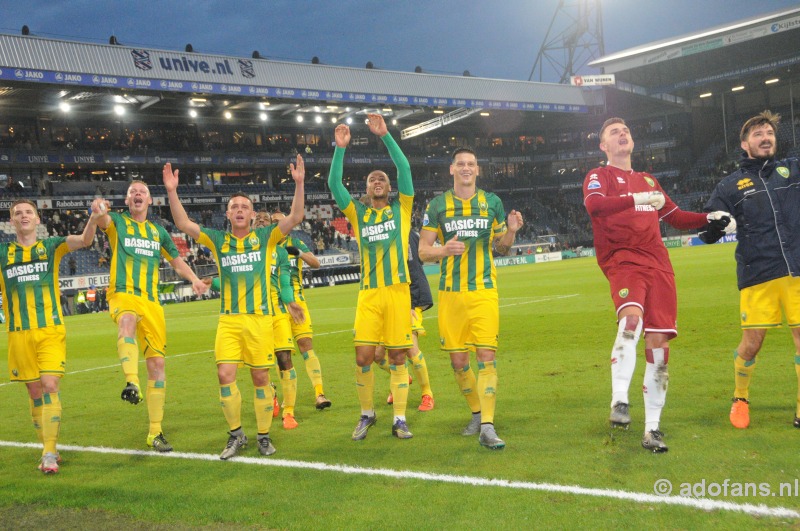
[(557, 327)]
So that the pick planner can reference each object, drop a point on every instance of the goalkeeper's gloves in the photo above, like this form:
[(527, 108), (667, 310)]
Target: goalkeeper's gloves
[(292, 250), (722, 221), (719, 224), (654, 199)]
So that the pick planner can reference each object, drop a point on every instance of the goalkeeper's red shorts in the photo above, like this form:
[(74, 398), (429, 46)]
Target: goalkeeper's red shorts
[(652, 290)]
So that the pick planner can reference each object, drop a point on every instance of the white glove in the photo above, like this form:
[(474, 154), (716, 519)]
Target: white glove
[(720, 216), (654, 199)]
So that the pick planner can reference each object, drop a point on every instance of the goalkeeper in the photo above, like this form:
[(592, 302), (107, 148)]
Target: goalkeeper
[(764, 196), (625, 207)]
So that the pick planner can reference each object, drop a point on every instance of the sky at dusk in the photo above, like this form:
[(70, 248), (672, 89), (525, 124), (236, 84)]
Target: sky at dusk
[(490, 38)]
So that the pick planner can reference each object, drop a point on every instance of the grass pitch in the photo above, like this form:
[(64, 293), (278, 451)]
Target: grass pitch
[(557, 328)]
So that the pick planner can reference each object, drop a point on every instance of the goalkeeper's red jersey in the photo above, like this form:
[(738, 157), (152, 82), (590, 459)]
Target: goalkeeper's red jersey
[(625, 234)]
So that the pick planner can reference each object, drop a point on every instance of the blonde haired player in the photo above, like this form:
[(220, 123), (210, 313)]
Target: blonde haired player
[(136, 248)]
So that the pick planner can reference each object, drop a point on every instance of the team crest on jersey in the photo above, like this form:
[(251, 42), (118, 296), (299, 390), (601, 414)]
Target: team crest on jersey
[(155, 236), (650, 181), (41, 253), (389, 214), (744, 183), (253, 240), (744, 317), (783, 171), (425, 220), (593, 185), (623, 292), (15, 372)]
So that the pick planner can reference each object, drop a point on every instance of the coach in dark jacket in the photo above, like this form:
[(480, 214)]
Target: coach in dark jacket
[(764, 198)]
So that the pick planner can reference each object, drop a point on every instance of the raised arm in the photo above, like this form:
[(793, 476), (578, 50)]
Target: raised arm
[(74, 241), (179, 215), (504, 242), (378, 126), (310, 259), (340, 193), (298, 210)]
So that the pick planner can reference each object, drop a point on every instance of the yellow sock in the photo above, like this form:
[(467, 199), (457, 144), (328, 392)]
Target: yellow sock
[(314, 371), (289, 388), (398, 383), (384, 364), (365, 385), (420, 367), (36, 415), (487, 388), (467, 383), (231, 401), (262, 403), (797, 370), (128, 352), (51, 421), (743, 371), (156, 395)]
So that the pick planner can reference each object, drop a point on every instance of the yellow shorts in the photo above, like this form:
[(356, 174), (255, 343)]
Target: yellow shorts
[(282, 332), (32, 353), (468, 319), (416, 322), (761, 305), (302, 330), (151, 328), (245, 339), (382, 314)]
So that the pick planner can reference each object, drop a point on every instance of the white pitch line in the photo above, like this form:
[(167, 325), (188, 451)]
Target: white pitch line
[(638, 497)]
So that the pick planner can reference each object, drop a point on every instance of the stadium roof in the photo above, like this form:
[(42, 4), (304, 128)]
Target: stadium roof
[(36, 71), (748, 50)]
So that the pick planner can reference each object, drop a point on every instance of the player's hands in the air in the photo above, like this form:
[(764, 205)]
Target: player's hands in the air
[(170, 177), (654, 199), (722, 221), (342, 135), (514, 221), (99, 208), (298, 170), (377, 125)]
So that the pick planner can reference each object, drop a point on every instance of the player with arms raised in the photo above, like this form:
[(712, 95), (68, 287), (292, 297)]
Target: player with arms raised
[(382, 311), (625, 207), (244, 332)]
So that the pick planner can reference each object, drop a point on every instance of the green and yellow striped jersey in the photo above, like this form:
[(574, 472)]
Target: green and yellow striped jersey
[(476, 221), (244, 266), (136, 249), (281, 280), (29, 282), (296, 265), (382, 236)]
